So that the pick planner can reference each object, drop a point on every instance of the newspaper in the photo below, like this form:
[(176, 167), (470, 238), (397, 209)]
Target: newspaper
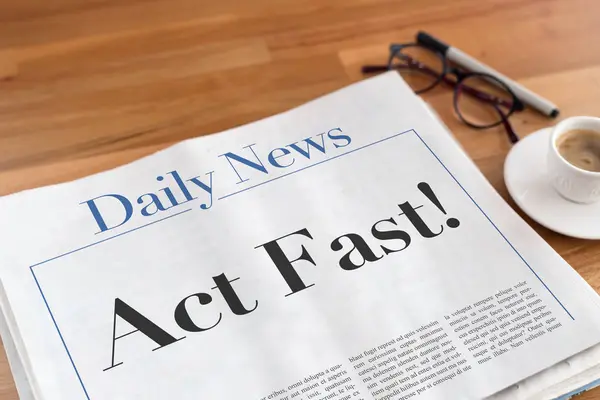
[(347, 249)]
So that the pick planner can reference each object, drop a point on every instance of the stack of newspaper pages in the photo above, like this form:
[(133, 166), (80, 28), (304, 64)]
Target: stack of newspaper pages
[(347, 249)]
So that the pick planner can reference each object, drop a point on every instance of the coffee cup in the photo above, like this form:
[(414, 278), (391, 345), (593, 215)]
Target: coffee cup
[(573, 167)]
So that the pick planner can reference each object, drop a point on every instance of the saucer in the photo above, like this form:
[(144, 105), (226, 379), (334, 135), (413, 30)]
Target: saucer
[(527, 182)]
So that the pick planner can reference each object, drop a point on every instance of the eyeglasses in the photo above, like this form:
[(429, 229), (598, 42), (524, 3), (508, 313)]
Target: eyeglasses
[(481, 101)]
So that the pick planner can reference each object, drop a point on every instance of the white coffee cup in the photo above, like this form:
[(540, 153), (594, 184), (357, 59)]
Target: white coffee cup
[(573, 183)]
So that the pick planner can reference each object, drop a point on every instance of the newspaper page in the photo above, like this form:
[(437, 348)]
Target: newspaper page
[(347, 249)]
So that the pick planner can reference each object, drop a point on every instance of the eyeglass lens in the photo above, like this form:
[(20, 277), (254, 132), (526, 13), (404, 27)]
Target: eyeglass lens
[(420, 67), (482, 101)]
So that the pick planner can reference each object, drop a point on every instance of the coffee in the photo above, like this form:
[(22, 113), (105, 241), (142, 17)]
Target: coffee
[(581, 147)]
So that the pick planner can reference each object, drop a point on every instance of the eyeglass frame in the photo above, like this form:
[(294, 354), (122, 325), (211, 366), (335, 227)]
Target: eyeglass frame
[(515, 106)]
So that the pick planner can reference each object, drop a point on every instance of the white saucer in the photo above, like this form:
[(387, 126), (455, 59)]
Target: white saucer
[(527, 182)]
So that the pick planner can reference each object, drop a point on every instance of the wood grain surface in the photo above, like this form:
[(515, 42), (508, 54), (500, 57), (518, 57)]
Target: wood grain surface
[(87, 85)]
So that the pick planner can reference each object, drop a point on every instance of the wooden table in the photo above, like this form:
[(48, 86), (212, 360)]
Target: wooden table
[(90, 85)]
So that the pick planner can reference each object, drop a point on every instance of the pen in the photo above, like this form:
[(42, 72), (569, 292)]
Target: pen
[(464, 60)]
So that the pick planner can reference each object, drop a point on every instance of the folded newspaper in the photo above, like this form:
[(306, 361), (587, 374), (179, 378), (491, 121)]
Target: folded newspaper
[(347, 249)]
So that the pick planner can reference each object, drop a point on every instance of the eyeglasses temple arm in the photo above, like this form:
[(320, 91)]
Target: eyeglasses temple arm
[(486, 98), (512, 136), (371, 69)]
